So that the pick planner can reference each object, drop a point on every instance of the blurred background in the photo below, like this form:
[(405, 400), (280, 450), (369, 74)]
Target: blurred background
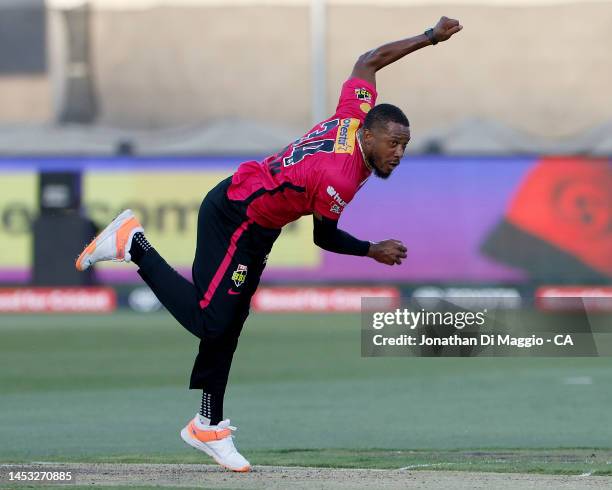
[(505, 191)]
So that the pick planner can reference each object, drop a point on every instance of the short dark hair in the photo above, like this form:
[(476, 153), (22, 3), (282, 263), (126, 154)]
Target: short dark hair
[(382, 114)]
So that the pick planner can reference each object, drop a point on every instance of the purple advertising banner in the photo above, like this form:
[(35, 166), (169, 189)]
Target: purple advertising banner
[(463, 219), (442, 209)]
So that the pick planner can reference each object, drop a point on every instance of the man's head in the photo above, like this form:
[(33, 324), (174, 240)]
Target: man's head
[(385, 134)]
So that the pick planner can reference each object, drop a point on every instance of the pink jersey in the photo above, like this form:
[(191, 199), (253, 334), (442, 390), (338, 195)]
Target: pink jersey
[(320, 172)]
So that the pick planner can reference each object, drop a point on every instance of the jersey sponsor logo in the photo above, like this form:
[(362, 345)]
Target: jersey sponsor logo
[(239, 275), (333, 193), (345, 139), (363, 94), (335, 208)]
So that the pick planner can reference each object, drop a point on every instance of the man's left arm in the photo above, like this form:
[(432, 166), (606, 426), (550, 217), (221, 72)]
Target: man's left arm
[(369, 63)]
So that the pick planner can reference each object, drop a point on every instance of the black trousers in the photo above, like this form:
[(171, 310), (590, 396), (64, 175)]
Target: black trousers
[(231, 254)]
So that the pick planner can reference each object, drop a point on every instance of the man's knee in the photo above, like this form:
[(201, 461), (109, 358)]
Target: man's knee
[(218, 329), (205, 324)]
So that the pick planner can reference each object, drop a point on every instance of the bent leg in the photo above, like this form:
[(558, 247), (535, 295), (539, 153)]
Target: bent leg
[(180, 297), (176, 293)]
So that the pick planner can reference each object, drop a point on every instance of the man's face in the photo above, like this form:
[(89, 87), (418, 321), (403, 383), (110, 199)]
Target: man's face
[(384, 147)]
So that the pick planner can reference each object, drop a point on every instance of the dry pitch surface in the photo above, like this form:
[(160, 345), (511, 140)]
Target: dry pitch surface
[(278, 477)]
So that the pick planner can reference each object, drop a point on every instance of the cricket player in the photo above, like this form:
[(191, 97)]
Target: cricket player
[(240, 218)]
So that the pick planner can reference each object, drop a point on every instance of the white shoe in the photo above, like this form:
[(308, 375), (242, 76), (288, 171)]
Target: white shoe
[(113, 243), (216, 441)]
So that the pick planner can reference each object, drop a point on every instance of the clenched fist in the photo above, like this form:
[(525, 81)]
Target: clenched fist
[(445, 28), (388, 252)]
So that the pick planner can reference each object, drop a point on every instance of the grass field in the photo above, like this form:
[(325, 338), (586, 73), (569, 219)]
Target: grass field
[(113, 389)]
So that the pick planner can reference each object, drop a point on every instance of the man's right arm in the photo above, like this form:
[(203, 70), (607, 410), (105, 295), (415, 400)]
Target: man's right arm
[(369, 63)]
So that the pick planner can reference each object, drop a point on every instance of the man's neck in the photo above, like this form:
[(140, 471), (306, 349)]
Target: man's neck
[(365, 158)]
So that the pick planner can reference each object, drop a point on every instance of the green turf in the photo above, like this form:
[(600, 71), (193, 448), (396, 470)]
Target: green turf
[(78, 387)]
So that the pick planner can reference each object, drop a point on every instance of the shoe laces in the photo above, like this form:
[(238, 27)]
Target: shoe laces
[(225, 424)]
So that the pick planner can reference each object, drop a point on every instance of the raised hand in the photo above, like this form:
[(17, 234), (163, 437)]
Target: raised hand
[(445, 28)]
